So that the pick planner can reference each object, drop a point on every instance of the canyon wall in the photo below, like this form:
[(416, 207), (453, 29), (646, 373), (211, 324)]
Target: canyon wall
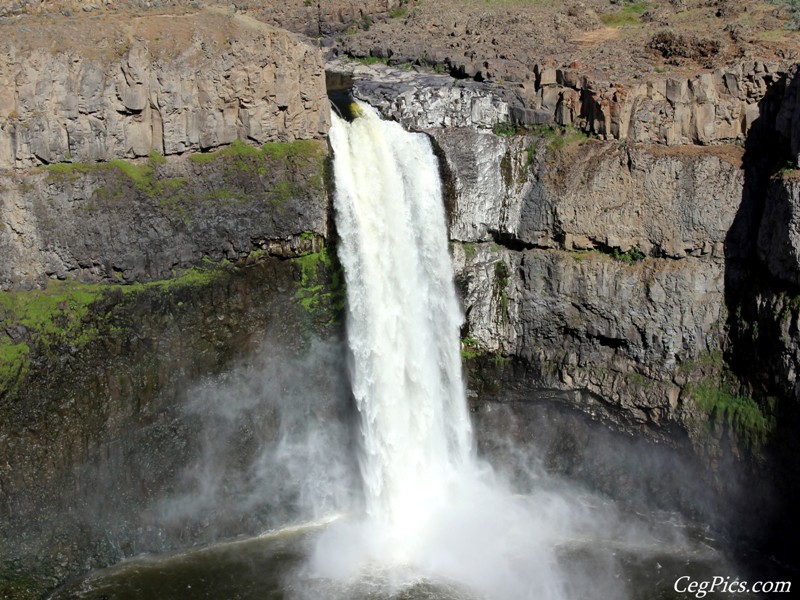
[(169, 296), (709, 108), (126, 222), (630, 280), (572, 272), (597, 226), (624, 253)]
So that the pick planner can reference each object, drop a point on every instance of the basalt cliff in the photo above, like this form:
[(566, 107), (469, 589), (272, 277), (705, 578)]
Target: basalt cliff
[(625, 236)]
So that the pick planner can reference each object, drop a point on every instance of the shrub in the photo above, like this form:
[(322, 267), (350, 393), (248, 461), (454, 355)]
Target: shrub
[(793, 6)]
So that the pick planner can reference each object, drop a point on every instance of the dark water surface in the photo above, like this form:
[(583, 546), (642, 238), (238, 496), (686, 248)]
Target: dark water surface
[(272, 567)]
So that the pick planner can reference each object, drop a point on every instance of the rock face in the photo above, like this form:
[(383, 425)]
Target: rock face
[(710, 108), (127, 280), (626, 280), (602, 267), (128, 222), (189, 83), (609, 268), (103, 450), (588, 195), (788, 119), (536, 261), (322, 17), (779, 234), (597, 275), (422, 101)]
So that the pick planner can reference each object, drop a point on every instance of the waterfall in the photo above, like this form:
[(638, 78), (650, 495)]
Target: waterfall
[(434, 511), (403, 316)]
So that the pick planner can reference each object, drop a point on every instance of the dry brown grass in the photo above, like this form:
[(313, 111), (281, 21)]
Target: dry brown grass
[(108, 36), (527, 31)]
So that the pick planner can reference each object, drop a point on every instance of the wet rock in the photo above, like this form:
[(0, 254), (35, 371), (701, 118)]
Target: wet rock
[(425, 100)]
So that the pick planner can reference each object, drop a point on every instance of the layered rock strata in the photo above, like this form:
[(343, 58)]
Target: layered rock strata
[(125, 222), (190, 83), (536, 260), (139, 259), (709, 108)]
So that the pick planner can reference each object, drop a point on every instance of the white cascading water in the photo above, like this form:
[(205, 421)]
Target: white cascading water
[(404, 318), (434, 512)]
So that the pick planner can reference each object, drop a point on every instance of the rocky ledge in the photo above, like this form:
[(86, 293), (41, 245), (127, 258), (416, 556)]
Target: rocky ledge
[(710, 108)]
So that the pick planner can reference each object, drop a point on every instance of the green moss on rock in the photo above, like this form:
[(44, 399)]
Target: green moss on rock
[(14, 587), (59, 318), (321, 290), (740, 413)]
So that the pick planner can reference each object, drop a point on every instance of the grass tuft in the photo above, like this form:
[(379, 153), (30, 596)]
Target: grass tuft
[(631, 14)]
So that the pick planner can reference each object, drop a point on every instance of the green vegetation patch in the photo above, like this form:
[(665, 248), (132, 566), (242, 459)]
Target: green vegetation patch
[(143, 175), (557, 137), (630, 14), (321, 292), (70, 170), (18, 587), (298, 149), (60, 318), (157, 158), (295, 168), (470, 349), (502, 277), (507, 129), (469, 250), (741, 413), (264, 160), (631, 256), (238, 156)]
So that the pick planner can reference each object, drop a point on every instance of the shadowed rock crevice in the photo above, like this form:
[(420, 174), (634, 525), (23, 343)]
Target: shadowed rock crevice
[(760, 288)]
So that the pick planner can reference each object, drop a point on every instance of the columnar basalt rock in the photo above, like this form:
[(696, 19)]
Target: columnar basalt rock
[(322, 17), (601, 264), (234, 78), (712, 107), (145, 272), (708, 108)]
